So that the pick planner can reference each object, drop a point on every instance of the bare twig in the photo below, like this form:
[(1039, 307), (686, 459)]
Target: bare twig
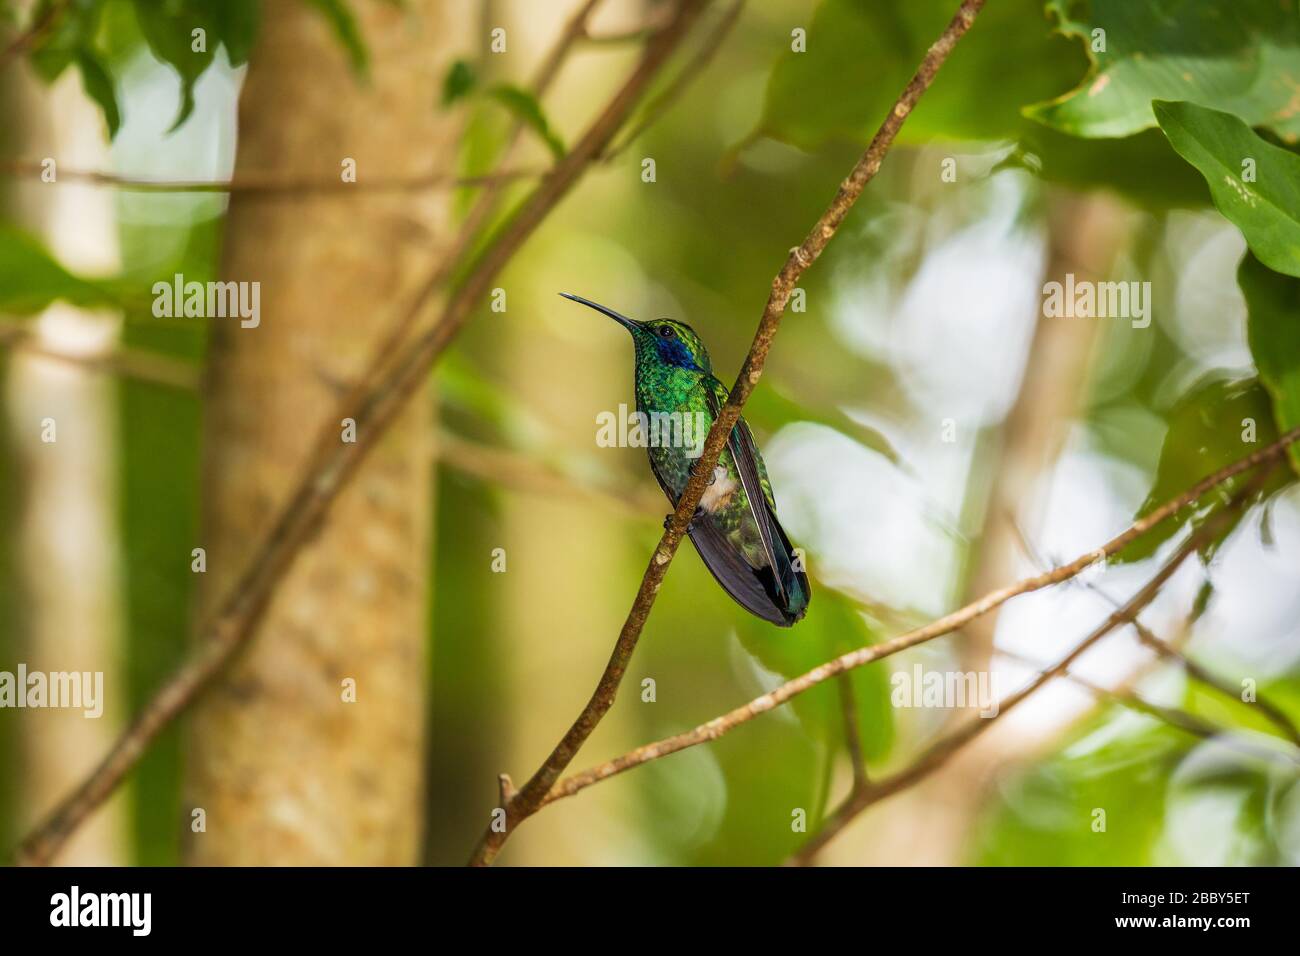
[(136, 364), (333, 462), (1197, 672), (24, 41), (958, 619), (634, 35), (535, 791), (693, 67), (1271, 711), (1173, 716), (574, 30), (852, 737), (506, 466), (943, 750), (1165, 649), (525, 473), (480, 214), (269, 185)]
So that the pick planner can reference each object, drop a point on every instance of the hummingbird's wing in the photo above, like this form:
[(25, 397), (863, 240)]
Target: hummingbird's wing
[(734, 574), (745, 455), (776, 591)]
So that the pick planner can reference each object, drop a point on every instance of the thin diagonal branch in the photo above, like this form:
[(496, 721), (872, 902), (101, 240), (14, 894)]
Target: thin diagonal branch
[(944, 749), (25, 40), (852, 737), (1175, 717), (1197, 672), (690, 70), (1168, 651), (534, 792), (333, 462), (954, 621), (480, 214)]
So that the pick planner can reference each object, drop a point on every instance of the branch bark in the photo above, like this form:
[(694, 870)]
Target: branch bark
[(534, 792)]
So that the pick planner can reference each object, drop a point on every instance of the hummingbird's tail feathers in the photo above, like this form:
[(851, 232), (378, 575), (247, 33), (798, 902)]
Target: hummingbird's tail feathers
[(797, 589)]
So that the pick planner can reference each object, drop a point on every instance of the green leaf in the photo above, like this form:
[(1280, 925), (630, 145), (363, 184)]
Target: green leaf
[(168, 29), (236, 24), (1141, 167), (1242, 57), (1216, 423), (526, 108), (861, 53), (1273, 330), (98, 85), (459, 82), (1254, 183), (31, 278), (344, 24), (71, 31), (832, 627)]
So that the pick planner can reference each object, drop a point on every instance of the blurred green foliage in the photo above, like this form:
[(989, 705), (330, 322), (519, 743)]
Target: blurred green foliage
[(30, 278), (1273, 329), (860, 54)]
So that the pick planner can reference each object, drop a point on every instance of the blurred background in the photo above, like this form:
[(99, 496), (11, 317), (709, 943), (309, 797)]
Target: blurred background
[(930, 432)]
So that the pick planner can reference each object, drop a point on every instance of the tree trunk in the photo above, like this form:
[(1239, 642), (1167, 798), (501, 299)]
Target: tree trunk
[(284, 767), (68, 539)]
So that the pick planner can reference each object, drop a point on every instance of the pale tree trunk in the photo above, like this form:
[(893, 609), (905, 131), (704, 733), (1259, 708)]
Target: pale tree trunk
[(931, 823), (284, 768), (68, 541)]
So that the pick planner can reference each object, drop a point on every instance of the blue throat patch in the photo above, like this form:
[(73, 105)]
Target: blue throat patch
[(673, 352)]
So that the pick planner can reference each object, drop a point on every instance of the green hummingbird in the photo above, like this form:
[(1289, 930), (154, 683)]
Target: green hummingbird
[(734, 529)]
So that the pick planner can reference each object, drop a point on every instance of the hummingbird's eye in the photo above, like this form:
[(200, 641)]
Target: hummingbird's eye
[(667, 331)]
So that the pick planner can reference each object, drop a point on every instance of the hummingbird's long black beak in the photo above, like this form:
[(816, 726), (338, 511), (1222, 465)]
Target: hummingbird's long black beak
[(623, 320)]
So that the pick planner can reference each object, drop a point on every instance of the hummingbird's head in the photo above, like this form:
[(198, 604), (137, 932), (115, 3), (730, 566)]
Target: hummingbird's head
[(662, 340)]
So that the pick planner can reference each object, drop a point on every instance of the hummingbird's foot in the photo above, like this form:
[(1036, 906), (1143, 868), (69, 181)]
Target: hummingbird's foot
[(690, 526)]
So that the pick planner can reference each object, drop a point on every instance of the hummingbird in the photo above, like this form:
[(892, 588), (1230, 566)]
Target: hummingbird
[(734, 528)]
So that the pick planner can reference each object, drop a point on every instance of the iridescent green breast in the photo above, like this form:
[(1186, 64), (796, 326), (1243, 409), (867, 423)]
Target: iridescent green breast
[(687, 392)]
